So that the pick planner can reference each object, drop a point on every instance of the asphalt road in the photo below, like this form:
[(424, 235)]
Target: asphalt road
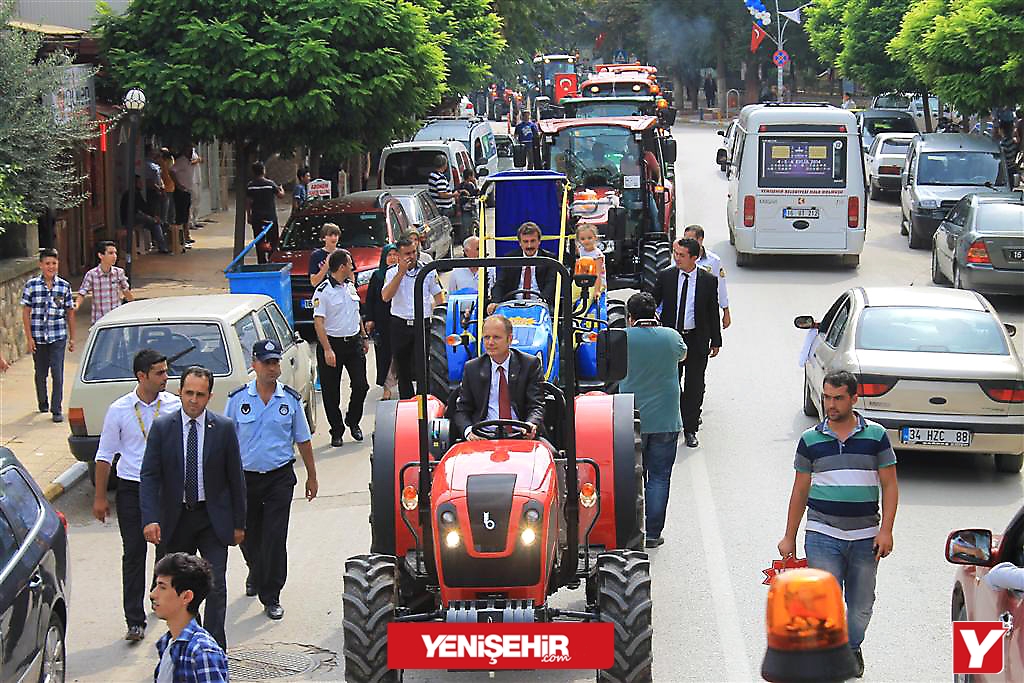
[(726, 513)]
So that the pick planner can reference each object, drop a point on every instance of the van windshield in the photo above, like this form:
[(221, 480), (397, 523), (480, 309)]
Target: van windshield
[(193, 343), (894, 124), (412, 167), (803, 162), (960, 168)]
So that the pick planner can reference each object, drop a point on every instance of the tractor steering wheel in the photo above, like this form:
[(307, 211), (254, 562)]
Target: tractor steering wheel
[(502, 429)]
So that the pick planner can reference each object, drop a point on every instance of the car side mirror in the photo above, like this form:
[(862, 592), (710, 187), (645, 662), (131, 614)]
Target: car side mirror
[(970, 546), (616, 229), (519, 155), (668, 149), (482, 171), (805, 322), (722, 133), (1011, 330), (612, 355)]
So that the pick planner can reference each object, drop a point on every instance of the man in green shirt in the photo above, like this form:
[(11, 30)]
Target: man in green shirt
[(652, 350)]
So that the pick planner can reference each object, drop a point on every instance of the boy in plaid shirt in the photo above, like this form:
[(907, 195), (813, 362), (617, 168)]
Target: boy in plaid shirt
[(48, 314), (106, 282)]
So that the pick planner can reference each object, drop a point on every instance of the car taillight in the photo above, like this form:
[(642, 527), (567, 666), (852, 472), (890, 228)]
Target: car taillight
[(748, 211), (76, 418), (853, 212), (1004, 391), (978, 253), (872, 387), (889, 170)]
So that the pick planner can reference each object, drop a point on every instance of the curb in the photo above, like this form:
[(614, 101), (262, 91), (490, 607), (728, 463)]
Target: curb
[(66, 480)]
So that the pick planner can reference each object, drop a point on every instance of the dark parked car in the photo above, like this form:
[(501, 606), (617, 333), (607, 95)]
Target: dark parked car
[(979, 245), (368, 220), (33, 578), (437, 231)]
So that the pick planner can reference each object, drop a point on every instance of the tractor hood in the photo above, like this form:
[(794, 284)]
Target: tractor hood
[(532, 463)]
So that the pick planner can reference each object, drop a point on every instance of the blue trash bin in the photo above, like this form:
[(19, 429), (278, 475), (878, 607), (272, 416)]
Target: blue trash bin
[(272, 279)]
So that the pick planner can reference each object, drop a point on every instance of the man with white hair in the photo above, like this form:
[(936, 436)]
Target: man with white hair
[(469, 278)]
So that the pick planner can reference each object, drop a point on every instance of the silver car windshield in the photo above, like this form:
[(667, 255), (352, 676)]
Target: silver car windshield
[(934, 330), (960, 168)]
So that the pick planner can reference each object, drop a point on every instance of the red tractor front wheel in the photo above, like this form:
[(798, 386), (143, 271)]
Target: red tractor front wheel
[(623, 587), (369, 605)]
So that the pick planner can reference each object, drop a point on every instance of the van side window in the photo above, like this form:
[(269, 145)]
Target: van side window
[(478, 150)]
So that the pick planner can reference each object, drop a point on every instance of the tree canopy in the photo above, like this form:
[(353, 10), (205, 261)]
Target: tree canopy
[(824, 25), (470, 32), (868, 26)]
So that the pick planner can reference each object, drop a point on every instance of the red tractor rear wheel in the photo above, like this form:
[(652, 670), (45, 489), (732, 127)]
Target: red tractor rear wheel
[(369, 604), (623, 587)]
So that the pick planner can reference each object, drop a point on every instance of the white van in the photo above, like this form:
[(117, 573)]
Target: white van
[(474, 133), (409, 164), (796, 183)]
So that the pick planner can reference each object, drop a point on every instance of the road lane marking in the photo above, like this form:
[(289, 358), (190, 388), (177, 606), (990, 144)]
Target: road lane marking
[(737, 663)]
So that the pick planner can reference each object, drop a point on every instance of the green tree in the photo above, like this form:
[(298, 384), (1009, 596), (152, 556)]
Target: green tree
[(868, 26), (471, 34), (972, 56), (37, 167), (532, 26), (905, 47), (278, 74), (824, 26)]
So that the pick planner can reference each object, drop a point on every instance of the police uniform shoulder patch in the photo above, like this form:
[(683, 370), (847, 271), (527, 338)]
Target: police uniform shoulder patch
[(245, 409), (295, 394), (235, 391), (706, 268), (721, 272), (283, 409)]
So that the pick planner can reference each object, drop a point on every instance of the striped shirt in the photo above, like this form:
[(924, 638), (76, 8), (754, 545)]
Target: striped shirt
[(437, 184), (107, 289), (843, 500)]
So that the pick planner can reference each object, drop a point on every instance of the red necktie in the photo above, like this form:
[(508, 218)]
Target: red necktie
[(504, 400), (527, 278)]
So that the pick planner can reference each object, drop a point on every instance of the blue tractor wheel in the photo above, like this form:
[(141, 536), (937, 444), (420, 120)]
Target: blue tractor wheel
[(437, 364)]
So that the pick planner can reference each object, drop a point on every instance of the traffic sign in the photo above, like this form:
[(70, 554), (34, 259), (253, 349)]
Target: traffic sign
[(781, 57), (319, 188), (619, 57)]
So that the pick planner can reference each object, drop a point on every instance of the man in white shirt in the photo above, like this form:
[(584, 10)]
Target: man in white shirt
[(399, 289), (125, 429), (463, 279)]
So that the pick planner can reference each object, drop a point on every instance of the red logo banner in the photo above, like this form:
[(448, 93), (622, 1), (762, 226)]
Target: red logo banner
[(978, 647), (494, 646)]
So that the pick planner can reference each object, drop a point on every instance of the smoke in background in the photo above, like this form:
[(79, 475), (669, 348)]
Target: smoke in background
[(678, 39)]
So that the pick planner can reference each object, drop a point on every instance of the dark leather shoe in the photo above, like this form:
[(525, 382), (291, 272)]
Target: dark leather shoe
[(691, 440), (275, 612), (250, 589), (654, 542), (135, 633), (357, 433), (337, 441), (860, 664)]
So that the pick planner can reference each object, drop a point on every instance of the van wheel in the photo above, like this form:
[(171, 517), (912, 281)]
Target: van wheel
[(732, 236), (1010, 464), (850, 260), (744, 259), (914, 241)]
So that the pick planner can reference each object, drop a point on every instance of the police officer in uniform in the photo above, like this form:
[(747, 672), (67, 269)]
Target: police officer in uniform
[(712, 263), (343, 344), (399, 289), (269, 419)]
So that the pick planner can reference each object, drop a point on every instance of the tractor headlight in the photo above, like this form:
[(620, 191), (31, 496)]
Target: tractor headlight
[(532, 516), (528, 536), (452, 539)]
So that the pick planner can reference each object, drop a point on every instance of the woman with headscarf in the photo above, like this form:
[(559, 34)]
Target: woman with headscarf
[(378, 315)]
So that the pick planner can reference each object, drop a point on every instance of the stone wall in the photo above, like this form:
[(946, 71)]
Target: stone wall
[(14, 273)]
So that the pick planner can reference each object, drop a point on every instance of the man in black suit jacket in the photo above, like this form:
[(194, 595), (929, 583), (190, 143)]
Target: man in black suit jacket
[(538, 278), (504, 384), (696, 318), (192, 490)]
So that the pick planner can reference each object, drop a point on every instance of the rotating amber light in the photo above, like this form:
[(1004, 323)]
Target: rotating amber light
[(410, 498), (662, 103), (805, 611), (585, 265)]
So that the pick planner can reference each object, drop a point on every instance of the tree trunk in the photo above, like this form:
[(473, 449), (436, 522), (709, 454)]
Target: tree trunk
[(752, 83), (721, 82), (241, 180), (314, 162), (928, 127)]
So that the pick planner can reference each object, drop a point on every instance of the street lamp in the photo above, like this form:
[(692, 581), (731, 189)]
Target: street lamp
[(134, 102)]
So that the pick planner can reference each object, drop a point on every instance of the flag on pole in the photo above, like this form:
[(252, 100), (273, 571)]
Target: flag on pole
[(757, 34), (792, 15), (599, 41)]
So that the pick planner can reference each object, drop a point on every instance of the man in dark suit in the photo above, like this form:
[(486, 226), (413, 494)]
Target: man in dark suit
[(504, 384), (192, 489), (540, 279), (688, 297)]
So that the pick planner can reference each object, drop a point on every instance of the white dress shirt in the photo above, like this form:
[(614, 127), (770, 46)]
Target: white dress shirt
[(338, 304), (402, 305), (123, 434), (712, 263), (201, 432), (464, 278), (689, 318)]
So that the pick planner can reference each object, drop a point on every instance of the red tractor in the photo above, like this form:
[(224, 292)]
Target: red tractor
[(489, 530)]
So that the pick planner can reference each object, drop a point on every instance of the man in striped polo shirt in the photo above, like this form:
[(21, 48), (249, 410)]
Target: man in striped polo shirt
[(440, 187), (840, 466)]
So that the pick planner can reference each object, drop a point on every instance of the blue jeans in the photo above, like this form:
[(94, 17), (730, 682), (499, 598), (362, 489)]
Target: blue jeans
[(49, 359), (659, 454), (854, 565)]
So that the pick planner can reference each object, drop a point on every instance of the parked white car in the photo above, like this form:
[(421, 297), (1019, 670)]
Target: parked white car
[(217, 332), (885, 160)]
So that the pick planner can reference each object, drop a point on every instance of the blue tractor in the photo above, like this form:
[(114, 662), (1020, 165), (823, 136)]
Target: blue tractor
[(520, 196)]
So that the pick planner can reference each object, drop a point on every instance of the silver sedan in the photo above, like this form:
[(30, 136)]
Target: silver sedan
[(979, 245)]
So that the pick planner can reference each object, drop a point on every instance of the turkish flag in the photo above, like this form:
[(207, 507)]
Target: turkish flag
[(599, 41), (565, 86), (757, 34)]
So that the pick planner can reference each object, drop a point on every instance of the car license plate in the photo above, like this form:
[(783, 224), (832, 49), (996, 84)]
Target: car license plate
[(790, 212), (926, 436), (307, 303), (1014, 254)]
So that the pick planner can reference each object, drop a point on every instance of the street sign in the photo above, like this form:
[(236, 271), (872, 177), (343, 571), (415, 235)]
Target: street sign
[(619, 57), (319, 188), (781, 57)]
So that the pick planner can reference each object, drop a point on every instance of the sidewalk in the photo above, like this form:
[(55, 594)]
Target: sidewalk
[(41, 444)]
